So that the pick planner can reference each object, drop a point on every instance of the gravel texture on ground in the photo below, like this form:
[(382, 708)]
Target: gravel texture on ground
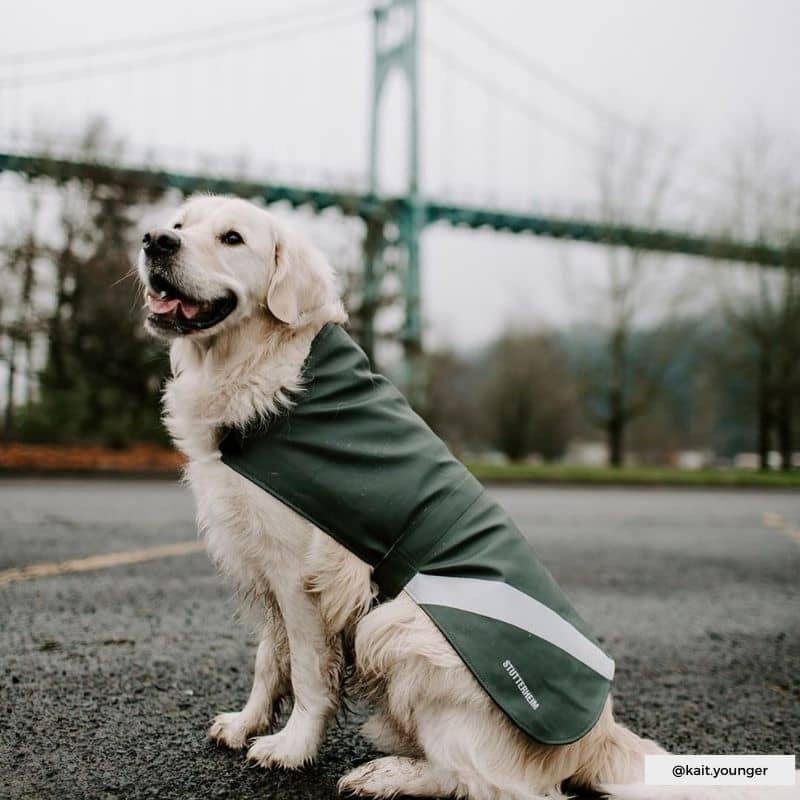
[(108, 679)]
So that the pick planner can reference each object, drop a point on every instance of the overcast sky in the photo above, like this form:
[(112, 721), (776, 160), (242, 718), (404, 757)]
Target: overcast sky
[(286, 86)]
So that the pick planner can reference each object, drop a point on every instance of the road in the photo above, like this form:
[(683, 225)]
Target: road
[(108, 678)]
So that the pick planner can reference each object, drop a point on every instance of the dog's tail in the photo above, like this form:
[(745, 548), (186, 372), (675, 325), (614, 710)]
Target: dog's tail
[(616, 768)]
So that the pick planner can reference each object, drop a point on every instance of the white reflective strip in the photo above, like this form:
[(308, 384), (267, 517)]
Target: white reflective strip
[(500, 601)]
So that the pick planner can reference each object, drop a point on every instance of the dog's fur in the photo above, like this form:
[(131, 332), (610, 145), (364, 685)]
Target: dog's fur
[(315, 600)]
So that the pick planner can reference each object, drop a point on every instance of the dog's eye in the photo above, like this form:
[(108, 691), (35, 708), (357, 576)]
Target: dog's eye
[(177, 226), (231, 237)]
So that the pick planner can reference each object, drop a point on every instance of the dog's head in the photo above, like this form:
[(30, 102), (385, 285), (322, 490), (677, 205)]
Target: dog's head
[(221, 261)]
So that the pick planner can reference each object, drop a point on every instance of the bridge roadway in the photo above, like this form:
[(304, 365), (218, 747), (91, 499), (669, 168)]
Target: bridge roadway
[(372, 208)]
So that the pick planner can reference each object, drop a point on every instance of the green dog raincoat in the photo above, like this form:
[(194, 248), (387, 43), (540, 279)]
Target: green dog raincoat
[(353, 458)]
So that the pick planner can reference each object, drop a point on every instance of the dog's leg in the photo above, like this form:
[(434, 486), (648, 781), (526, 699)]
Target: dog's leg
[(485, 755), (394, 776), (270, 683), (382, 733), (470, 748), (316, 665)]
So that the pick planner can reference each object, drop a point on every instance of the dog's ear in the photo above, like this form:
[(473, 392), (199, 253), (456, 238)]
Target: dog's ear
[(299, 277)]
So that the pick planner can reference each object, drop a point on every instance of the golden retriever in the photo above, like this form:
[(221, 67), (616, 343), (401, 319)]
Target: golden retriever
[(240, 297)]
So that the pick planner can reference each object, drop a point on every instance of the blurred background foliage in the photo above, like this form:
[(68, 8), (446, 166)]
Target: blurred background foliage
[(646, 375), (76, 300)]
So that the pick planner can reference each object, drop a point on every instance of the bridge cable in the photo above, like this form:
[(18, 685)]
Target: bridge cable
[(553, 125), (525, 107), (536, 68), (152, 62), (149, 41), (570, 90)]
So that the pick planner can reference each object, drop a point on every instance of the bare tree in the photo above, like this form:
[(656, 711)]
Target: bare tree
[(762, 304), (453, 402), (529, 397), (620, 370), (21, 314), (67, 299)]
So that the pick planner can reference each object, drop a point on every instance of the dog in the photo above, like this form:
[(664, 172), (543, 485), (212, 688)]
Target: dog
[(240, 297)]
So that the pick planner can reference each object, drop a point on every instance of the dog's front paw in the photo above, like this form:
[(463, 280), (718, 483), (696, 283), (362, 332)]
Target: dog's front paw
[(358, 782), (230, 730), (373, 779), (281, 750)]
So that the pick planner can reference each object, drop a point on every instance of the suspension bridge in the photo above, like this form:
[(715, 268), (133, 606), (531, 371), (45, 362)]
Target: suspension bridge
[(393, 221)]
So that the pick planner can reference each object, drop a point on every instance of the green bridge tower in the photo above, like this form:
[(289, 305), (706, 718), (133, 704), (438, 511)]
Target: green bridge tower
[(392, 243)]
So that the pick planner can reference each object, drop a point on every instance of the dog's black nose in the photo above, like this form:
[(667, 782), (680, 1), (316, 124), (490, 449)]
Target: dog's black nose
[(161, 242)]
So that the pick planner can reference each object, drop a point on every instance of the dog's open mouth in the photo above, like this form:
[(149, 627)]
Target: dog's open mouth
[(170, 309)]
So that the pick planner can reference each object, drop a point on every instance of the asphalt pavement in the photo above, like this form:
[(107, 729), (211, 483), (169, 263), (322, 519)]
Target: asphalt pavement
[(109, 677)]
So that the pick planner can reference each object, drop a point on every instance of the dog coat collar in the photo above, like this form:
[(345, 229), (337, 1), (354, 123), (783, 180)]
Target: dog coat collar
[(352, 457)]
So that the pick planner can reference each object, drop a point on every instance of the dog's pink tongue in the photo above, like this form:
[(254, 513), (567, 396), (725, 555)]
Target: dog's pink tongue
[(190, 310), (160, 305)]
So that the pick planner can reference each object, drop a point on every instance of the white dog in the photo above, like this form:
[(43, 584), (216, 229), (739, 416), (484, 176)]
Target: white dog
[(241, 298)]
